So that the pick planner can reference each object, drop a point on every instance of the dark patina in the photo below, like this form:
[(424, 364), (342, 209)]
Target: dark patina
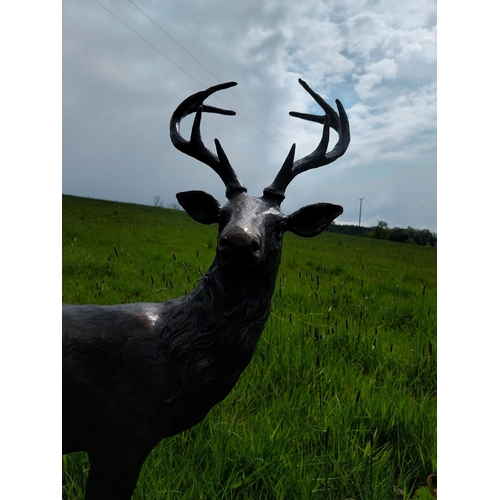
[(134, 374)]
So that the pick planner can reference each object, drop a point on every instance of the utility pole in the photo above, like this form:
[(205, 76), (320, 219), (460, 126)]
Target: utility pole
[(360, 205)]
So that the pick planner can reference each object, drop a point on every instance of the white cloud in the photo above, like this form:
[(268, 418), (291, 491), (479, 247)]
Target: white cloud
[(365, 33), (376, 74)]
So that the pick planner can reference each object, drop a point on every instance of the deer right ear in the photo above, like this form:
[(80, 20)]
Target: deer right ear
[(313, 219), (200, 206)]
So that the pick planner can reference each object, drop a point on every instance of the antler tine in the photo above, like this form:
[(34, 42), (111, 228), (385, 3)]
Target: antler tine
[(319, 157), (334, 117), (195, 147)]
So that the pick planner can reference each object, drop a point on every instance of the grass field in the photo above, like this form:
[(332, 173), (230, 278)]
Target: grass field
[(339, 400)]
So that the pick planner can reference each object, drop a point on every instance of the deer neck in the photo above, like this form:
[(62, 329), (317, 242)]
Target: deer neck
[(237, 292), (228, 311)]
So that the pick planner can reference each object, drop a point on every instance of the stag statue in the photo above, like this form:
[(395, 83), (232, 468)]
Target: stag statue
[(134, 374)]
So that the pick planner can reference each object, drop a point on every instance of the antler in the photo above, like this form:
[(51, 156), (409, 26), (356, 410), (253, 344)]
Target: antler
[(319, 156), (195, 147)]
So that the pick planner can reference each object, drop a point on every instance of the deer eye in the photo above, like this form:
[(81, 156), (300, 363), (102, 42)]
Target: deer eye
[(279, 226)]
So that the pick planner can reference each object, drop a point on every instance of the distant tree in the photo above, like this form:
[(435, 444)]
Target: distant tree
[(427, 238), (350, 229), (398, 234), (413, 235), (174, 206), (158, 201), (382, 231)]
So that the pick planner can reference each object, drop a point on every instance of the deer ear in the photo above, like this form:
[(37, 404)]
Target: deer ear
[(313, 219), (200, 206)]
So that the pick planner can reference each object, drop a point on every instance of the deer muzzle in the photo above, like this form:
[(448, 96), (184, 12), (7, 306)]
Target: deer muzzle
[(239, 246)]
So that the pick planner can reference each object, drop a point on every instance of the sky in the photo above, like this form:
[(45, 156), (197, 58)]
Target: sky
[(127, 64)]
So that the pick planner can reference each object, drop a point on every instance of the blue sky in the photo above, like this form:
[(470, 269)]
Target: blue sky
[(127, 64)]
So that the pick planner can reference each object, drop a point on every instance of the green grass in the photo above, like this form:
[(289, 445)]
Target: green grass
[(339, 400)]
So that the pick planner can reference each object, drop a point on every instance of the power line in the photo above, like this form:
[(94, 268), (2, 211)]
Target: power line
[(174, 40), (150, 44)]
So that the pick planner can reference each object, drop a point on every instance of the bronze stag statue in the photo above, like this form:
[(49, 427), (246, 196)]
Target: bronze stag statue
[(134, 374)]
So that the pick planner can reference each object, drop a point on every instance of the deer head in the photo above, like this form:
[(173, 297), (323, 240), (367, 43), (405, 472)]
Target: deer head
[(251, 228)]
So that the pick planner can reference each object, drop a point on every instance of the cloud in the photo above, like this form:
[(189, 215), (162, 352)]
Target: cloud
[(124, 74), (376, 74)]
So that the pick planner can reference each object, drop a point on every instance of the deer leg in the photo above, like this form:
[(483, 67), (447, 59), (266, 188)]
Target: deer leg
[(113, 475)]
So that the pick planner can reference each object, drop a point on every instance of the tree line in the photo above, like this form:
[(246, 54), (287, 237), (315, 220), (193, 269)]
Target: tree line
[(383, 232)]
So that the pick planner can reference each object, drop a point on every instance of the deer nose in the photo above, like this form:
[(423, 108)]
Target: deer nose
[(239, 245)]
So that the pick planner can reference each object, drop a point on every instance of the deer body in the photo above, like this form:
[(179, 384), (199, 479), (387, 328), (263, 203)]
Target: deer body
[(134, 374)]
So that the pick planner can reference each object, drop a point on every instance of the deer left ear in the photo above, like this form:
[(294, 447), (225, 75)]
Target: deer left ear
[(312, 220), (200, 206)]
